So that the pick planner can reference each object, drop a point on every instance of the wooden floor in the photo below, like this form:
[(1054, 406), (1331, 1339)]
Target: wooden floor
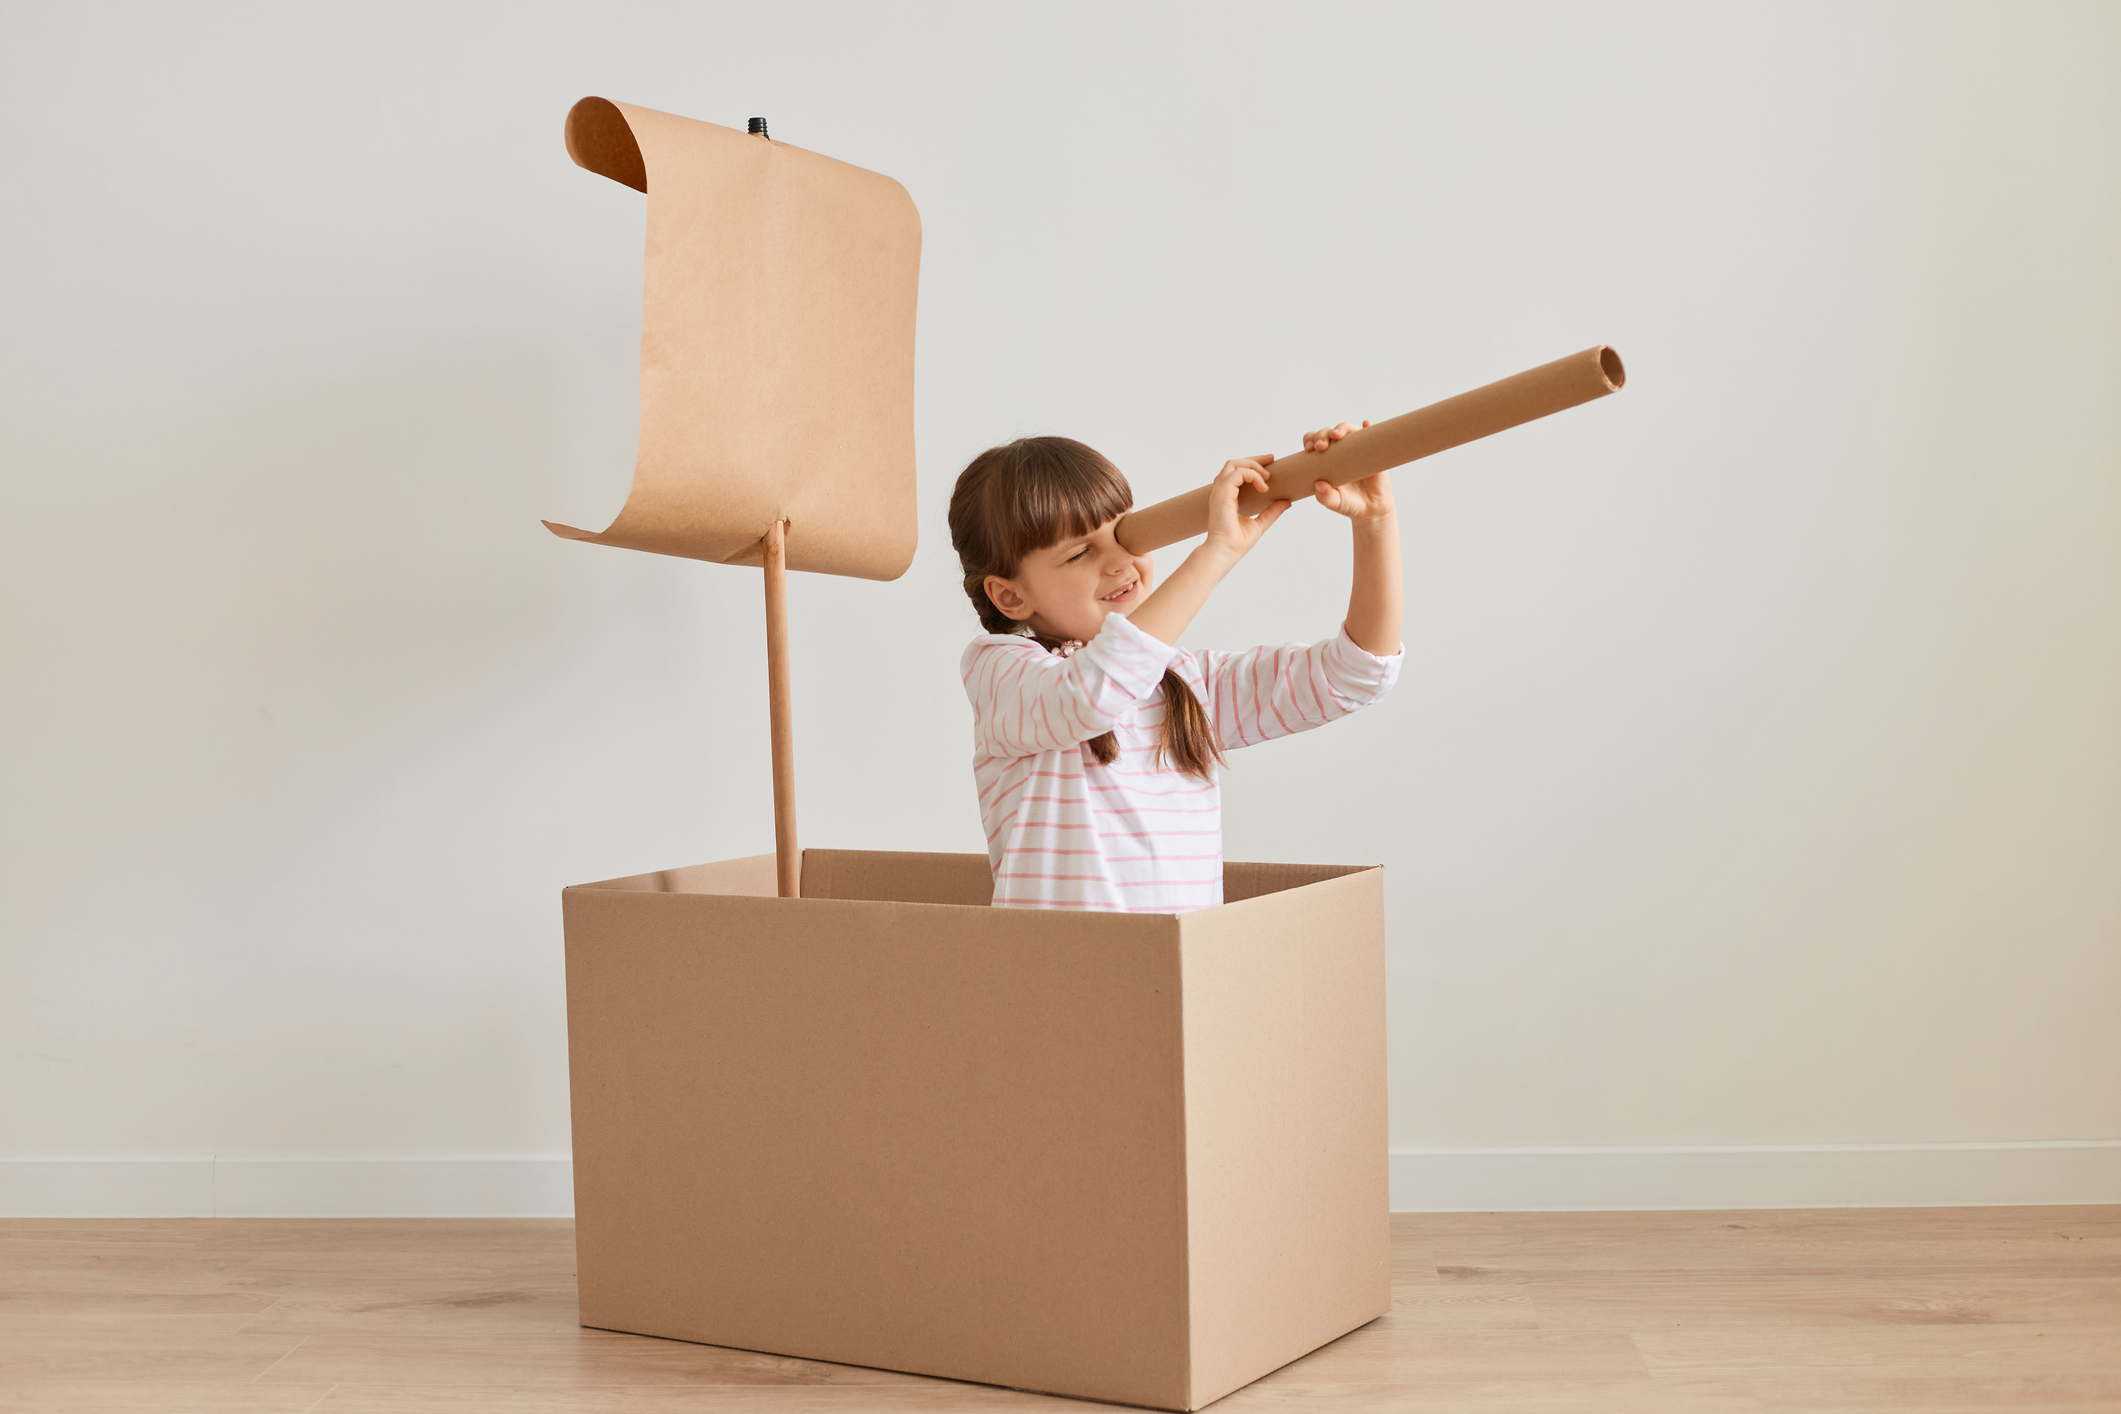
[(1931, 1309)]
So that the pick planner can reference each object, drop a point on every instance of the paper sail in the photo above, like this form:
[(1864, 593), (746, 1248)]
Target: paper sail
[(776, 346)]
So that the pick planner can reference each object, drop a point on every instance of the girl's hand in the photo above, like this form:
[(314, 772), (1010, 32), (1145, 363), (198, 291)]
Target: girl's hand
[(1369, 499), (1165, 614), (1228, 529), (1325, 437), (1365, 500)]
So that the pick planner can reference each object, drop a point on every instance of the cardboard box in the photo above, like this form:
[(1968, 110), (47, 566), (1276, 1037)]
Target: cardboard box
[(1127, 1157)]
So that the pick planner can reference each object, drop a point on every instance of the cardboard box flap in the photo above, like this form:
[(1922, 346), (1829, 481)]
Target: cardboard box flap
[(750, 877), (1243, 881)]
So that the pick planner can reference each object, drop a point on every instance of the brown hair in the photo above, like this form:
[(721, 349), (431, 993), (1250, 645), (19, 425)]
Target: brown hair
[(1035, 492)]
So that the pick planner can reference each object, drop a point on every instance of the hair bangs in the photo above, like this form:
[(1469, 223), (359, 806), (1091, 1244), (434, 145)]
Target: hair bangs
[(1058, 489)]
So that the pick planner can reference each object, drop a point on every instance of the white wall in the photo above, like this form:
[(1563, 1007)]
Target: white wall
[(1755, 778)]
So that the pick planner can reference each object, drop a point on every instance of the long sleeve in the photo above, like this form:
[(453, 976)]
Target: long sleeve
[(1279, 689), (1026, 700)]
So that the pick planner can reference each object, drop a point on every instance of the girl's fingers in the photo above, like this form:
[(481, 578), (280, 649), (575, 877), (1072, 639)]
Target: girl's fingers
[(1270, 515), (1325, 437)]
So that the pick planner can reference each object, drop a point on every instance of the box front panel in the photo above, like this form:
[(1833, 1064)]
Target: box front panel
[(1288, 1198), (944, 1140)]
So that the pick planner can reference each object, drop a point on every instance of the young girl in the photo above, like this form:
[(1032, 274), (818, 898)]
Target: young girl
[(1098, 739)]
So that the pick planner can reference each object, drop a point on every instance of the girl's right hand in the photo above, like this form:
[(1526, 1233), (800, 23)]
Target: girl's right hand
[(1165, 614), (1229, 529)]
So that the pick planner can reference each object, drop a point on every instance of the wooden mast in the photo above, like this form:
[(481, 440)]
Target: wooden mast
[(788, 860)]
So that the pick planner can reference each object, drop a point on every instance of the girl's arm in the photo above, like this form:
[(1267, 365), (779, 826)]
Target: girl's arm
[(1274, 691), (1279, 689), (1375, 598), (1172, 604)]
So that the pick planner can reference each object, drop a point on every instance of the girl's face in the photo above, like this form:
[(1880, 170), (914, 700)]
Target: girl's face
[(1065, 590)]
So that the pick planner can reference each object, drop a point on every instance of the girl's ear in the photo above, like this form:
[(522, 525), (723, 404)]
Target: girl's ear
[(1008, 598)]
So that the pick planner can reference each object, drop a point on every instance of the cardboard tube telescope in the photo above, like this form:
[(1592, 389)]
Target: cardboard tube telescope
[(1409, 437)]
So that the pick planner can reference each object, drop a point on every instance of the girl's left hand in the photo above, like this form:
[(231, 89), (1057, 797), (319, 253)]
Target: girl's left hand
[(1367, 499)]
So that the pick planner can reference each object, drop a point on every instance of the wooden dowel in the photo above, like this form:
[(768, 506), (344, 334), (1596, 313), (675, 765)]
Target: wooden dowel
[(788, 861)]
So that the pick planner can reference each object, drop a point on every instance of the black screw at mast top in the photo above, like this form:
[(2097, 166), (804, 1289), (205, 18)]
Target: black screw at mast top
[(758, 129)]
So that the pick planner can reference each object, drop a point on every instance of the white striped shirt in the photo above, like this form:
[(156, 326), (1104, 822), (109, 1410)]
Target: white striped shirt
[(1138, 836)]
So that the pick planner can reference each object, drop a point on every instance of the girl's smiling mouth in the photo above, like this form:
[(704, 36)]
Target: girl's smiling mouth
[(1120, 593)]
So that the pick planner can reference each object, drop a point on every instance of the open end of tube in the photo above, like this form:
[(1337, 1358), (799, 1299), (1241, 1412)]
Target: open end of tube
[(1615, 372)]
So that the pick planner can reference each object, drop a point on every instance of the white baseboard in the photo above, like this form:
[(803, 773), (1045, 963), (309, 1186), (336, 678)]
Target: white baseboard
[(287, 1188), (1756, 1176), (1423, 1180), (106, 1188)]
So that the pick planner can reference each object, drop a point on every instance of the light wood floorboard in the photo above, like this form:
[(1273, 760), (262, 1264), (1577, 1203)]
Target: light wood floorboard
[(1868, 1311)]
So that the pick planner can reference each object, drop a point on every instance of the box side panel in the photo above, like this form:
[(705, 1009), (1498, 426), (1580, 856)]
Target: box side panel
[(752, 876), (1285, 1126), (1248, 881), (942, 1140), (887, 876)]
